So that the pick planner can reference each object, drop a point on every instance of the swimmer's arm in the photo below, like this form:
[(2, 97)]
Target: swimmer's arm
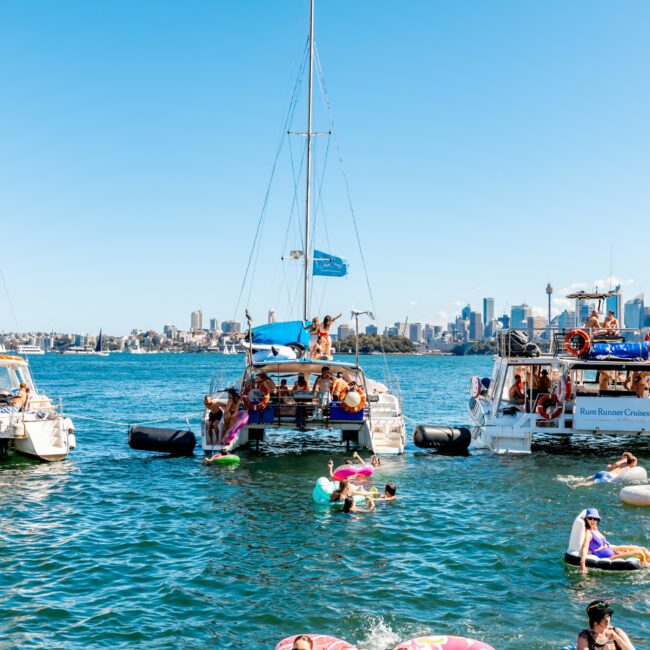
[(371, 503), (356, 456), (582, 643), (330, 465), (622, 639)]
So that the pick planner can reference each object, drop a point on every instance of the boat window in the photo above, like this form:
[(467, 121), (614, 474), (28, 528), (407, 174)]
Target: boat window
[(5, 379), (589, 376)]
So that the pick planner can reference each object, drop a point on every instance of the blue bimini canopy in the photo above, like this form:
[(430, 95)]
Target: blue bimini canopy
[(281, 333)]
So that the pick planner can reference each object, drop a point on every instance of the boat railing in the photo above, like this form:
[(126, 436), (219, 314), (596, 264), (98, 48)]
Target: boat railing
[(531, 342)]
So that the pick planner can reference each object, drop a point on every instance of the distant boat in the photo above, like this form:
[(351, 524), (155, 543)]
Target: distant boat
[(29, 349), (97, 351)]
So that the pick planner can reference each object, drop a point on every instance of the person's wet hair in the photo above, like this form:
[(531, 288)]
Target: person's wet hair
[(391, 489), (348, 503)]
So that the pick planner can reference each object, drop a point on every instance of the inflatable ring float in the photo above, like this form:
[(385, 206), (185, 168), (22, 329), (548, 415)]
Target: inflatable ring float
[(352, 400), (442, 642), (224, 459), (543, 403), (636, 495), (352, 471), (319, 641), (577, 342), (256, 397)]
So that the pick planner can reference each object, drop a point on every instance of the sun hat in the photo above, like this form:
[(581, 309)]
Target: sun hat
[(593, 513)]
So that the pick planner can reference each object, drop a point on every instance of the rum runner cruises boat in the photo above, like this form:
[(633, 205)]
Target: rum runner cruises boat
[(30, 424), (367, 413), (589, 380)]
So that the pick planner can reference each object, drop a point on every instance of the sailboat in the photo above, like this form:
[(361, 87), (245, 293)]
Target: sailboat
[(97, 351), (366, 412)]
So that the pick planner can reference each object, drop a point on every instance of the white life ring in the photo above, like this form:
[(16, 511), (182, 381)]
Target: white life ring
[(475, 386)]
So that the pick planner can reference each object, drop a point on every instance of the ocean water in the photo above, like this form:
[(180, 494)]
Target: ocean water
[(123, 549)]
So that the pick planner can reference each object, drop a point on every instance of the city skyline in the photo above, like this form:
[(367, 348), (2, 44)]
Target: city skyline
[(480, 133)]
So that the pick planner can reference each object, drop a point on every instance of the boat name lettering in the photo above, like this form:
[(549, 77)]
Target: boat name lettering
[(620, 412)]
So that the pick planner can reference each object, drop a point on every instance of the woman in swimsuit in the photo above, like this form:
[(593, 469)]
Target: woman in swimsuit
[(596, 544), (601, 635), (230, 413), (324, 333), (313, 328)]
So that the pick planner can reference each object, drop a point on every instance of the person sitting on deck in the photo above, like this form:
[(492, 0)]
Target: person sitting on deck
[(338, 385), (323, 383), (604, 379), (611, 324), (301, 383), (283, 392), (592, 322), (263, 379), (543, 383), (636, 381), (516, 392), (22, 397)]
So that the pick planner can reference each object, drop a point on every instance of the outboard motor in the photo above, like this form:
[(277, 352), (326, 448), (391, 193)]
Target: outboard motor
[(168, 441), (448, 440)]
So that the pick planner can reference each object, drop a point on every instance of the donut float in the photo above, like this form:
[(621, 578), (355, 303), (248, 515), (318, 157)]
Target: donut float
[(320, 641), (442, 642), (352, 471), (636, 495)]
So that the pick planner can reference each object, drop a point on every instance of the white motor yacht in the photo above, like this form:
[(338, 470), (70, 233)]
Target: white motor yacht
[(29, 349), (587, 380), (30, 424)]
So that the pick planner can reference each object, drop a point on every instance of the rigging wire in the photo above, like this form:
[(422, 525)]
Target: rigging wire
[(257, 238), (349, 198), (11, 305)]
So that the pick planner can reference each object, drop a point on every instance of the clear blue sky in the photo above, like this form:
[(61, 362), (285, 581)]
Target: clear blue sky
[(490, 147)]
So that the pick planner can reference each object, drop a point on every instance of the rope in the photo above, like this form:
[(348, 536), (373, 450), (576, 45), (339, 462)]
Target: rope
[(185, 416)]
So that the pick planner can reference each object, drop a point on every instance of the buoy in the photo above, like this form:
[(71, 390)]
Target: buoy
[(177, 442), (449, 440)]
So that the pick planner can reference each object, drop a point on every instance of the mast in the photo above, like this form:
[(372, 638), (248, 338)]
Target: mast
[(308, 183)]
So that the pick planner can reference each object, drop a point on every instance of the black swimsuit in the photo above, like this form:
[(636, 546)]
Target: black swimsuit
[(593, 645)]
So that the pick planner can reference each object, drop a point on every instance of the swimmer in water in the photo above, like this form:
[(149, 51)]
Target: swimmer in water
[(302, 642), (350, 506), (627, 461)]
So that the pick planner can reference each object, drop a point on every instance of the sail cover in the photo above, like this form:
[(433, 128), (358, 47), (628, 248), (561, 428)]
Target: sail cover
[(281, 333), (329, 265)]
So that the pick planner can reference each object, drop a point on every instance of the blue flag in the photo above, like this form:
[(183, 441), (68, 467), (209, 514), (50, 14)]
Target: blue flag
[(330, 265)]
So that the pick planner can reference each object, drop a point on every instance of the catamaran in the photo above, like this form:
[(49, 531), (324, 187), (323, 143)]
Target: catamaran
[(30, 424), (279, 384), (590, 380)]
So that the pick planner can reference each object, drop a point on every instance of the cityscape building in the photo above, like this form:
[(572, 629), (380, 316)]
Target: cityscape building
[(488, 310), (634, 312), (519, 315), (415, 332), (475, 326), (196, 320), (615, 304), (371, 329)]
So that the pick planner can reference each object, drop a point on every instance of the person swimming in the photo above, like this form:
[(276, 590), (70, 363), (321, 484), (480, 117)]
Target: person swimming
[(627, 461)]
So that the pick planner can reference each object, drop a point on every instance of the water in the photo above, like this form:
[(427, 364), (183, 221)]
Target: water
[(118, 548)]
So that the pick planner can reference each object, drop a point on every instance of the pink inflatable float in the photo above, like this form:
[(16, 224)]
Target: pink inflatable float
[(242, 419), (443, 643), (320, 641), (352, 471)]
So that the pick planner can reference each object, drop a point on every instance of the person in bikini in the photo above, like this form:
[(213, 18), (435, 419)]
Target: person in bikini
[(324, 333), (215, 408), (313, 328), (596, 544), (230, 414)]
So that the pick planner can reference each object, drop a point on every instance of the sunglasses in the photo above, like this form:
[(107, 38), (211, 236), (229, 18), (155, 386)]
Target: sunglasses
[(592, 519)]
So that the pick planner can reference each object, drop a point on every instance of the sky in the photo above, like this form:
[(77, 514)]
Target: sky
[(488, 148)]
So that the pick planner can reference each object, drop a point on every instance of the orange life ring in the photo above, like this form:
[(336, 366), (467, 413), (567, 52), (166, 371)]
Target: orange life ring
[(261, 397), (541, 410), (348, 408), (569, 342)]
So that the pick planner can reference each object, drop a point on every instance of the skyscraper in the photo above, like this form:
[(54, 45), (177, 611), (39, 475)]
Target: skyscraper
[(519, 316), (196, 320), (634, 312), (475, 326), (615, 304), (488, 310), (465, 312)]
